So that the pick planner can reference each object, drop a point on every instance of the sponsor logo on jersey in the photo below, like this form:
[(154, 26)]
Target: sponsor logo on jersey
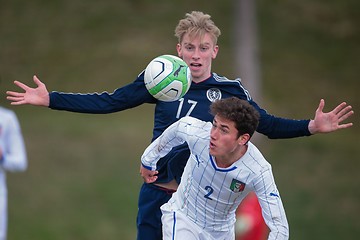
[(213, 94), (237, 186)]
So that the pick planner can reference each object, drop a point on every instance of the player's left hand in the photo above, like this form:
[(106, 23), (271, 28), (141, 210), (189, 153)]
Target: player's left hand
[(149, 176), (330, 121)]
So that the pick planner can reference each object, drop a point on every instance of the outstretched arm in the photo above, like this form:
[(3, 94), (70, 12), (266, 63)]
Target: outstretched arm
[(38, 96), (330, 121)]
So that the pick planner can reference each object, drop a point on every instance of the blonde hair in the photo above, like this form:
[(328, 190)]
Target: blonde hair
[(197, 24)]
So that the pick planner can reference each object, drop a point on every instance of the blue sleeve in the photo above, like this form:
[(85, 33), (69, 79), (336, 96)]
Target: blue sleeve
[(128, 96), (275, 127)]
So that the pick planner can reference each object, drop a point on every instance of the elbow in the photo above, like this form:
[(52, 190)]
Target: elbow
[(286, 234), (280, 232), (283, 231), (20, 166)]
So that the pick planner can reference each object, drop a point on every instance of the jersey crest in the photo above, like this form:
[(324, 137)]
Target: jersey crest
[(237, 186), (213, 94)]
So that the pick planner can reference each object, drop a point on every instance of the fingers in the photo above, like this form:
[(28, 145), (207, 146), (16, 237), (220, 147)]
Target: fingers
[(26, 87), (150, 179), (14, 94), (37, 80), (148, 175), (18, 102), (341, 108), (345, 115), (321, 105), (21, 85), (346, 125), (16, 98), (345, 110)]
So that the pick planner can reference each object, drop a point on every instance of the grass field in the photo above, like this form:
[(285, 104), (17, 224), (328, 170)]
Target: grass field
[(82, 182)]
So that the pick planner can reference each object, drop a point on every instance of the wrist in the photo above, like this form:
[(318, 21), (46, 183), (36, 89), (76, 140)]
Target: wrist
[(146, 167), (312, 127), (46, 102)]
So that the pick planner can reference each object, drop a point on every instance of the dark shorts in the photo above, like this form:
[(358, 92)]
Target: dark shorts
[(148, 221)]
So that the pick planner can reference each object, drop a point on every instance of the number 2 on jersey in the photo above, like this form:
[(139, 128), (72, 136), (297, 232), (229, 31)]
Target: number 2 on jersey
[(210, 191)]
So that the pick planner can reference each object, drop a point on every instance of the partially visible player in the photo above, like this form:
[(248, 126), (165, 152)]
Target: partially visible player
[(250, 224), (12, 159), (224, 166), (197, 46)]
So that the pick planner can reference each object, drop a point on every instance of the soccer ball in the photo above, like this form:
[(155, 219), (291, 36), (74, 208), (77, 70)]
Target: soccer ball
[(167, 78)]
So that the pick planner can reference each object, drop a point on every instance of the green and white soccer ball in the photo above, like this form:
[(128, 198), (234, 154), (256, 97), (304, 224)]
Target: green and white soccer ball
[(167, 78)]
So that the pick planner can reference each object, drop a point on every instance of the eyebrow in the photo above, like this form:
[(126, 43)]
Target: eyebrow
[(221, 125), (201, 44)]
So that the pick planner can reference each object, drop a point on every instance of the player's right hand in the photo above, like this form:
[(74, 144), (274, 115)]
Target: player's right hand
[(149, 176)]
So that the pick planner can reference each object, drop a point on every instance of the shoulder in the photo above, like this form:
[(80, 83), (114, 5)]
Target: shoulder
[(223, 79), (189, 119), (192, 121), (231, 86), (255, 161), (194, 126)]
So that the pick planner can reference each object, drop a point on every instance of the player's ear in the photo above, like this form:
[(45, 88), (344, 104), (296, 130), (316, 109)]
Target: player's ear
[(244, 138), (215, 51), (178, 49)]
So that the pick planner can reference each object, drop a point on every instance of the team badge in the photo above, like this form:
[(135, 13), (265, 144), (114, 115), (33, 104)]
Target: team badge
[(213, 94), (237, 186)]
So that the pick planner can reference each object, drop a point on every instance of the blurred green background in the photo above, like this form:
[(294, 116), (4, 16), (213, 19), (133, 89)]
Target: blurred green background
[(83, 180)]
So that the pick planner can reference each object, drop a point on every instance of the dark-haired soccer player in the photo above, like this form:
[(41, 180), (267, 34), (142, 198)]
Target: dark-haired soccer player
[(197, 46)]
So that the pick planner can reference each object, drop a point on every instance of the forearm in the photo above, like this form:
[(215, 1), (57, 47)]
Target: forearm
[(281, 128), (272, 207), (161, 146), (276, 127), (82, 103), (123, 98)]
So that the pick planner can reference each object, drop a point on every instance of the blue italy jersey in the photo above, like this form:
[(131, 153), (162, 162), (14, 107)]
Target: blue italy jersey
[(195, 103)]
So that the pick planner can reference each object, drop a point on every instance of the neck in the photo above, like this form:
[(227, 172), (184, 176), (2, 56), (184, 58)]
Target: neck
[(227, 160), (200, 79)]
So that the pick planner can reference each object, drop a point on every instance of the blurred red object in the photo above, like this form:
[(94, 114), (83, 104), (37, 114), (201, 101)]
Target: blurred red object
[(250, 224)]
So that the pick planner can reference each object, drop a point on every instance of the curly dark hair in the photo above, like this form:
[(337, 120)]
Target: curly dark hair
[(245, 116)]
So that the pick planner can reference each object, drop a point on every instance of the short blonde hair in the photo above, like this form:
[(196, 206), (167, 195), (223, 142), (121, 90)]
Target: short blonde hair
[(197, 24)]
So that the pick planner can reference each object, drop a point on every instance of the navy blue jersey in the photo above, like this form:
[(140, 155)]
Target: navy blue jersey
[(195, 103)]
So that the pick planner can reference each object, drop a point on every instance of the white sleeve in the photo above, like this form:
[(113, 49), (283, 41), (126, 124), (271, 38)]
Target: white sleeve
[(12, 145), (176, 134), (272, 207)]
